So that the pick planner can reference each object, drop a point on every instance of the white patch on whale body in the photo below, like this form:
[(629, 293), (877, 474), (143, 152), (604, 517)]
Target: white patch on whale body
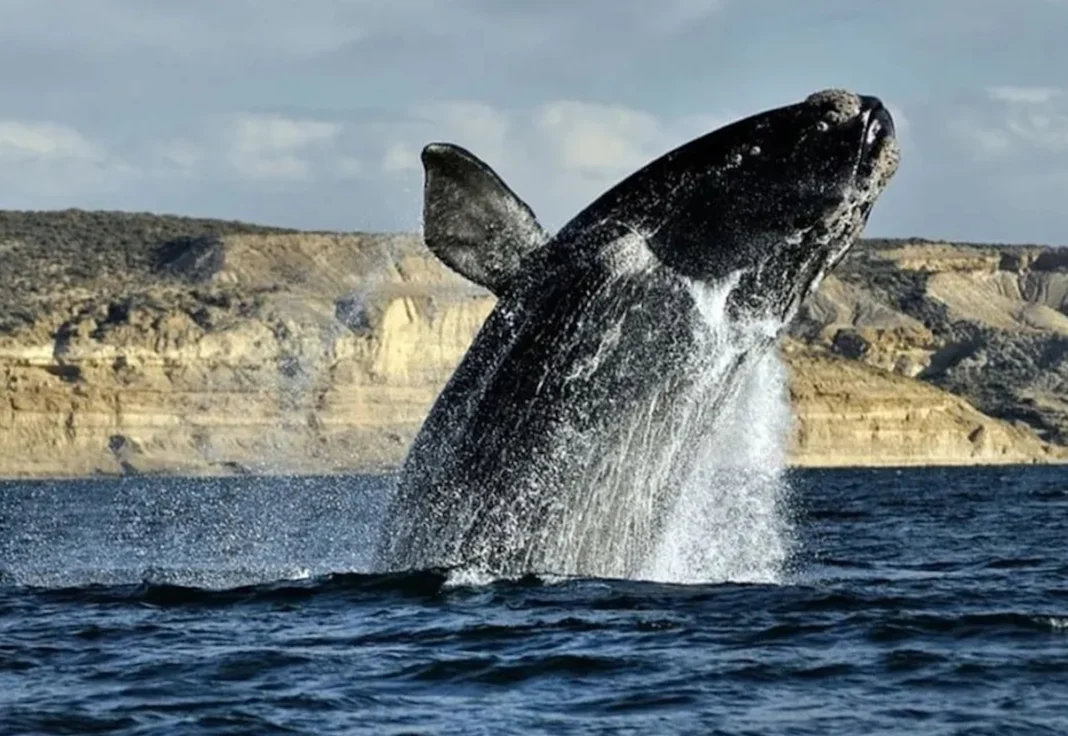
[(586, 368), (625, 256)]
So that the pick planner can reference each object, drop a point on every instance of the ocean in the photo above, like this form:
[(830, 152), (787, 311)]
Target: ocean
[(926, 601)]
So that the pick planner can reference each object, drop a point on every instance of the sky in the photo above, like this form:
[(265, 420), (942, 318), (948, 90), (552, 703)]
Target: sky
[(311, 114)]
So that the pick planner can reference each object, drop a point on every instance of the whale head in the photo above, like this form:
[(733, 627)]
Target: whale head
[(778, 197)]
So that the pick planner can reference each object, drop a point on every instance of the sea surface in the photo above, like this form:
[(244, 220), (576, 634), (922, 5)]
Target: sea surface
[(915, 602)]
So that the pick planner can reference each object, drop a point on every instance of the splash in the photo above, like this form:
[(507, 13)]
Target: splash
[(703, 497), (650, 446), (684, 485), (731, 521), (208, 533)]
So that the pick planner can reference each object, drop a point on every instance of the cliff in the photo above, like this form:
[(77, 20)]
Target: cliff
[(986, 323), (142, 343)]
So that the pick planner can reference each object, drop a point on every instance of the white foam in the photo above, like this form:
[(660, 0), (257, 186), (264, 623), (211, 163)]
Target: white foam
[(731, 520), (720, 453), (1058, 623)]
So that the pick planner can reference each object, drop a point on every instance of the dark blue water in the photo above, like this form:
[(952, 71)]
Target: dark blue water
[(927, 601)]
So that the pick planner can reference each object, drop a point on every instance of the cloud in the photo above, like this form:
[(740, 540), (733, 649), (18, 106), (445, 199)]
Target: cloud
[(1045, 131), (204, 26), (481, 125), (1024, 95), (180, 156), (313, 114), (984, 165), (47, 161), (682, 13), (1024, 123), (22, 141), (558, 155), (275, 147), (400, 158), (595, 140), (208, 29), (984, 143)]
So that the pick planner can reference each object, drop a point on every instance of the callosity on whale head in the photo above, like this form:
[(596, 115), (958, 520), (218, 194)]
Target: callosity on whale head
[(778, 196)]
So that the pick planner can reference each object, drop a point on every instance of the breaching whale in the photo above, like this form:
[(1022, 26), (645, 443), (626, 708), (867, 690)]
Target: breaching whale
[(559, 442)]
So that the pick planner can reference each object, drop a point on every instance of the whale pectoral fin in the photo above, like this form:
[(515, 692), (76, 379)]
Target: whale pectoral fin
[(472, 221)]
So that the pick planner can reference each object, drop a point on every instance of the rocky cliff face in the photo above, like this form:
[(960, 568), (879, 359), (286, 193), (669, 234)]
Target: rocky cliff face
[(988, 324), (851, 413), (138, 343)]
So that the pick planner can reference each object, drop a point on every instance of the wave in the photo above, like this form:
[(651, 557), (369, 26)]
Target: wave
[(875, 616), (148, 592), (994, 624), (597, 593)]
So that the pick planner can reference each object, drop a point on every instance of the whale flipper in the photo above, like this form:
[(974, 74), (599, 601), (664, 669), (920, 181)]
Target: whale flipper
[(472, 221)]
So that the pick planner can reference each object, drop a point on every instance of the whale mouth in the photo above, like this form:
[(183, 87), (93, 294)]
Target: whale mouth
[(878, 132)]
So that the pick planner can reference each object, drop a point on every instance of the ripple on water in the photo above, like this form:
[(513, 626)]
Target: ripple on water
[(918, 609)]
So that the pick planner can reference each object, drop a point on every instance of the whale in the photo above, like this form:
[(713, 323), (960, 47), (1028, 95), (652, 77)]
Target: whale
[(560, 441)]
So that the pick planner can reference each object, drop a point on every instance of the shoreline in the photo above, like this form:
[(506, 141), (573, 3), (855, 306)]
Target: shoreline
[(178, 476)]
